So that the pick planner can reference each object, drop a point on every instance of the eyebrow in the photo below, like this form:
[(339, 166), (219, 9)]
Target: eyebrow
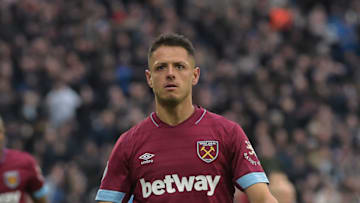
[(176, 62)]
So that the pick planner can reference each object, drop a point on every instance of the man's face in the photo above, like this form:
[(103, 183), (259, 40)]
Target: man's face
[(172, 74)]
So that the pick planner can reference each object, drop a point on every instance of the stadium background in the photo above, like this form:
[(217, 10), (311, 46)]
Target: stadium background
[(72, 80)]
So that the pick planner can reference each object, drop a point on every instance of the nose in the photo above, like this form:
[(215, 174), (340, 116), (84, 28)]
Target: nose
[(170, 73)]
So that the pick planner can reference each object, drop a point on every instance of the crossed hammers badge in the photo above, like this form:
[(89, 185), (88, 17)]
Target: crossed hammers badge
[(207, 150)]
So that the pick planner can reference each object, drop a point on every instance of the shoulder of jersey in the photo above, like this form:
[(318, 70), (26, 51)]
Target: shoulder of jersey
[(217, 119), (144, 125), (18, 155)]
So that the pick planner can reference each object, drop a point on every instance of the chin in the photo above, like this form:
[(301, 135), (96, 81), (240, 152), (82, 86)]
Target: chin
[(169, 101)]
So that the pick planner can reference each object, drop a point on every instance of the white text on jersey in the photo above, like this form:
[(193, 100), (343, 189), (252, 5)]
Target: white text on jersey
[(147, 158), (10, 197), (198, 183)]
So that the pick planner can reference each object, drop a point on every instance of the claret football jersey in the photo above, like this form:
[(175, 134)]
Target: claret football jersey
[(199, 160), (20, 176)]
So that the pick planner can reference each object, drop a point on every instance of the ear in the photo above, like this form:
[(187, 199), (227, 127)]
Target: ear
[(148, 78), (196, 76)]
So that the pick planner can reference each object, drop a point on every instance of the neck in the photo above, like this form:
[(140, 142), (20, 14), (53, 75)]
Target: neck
[(174, 114)]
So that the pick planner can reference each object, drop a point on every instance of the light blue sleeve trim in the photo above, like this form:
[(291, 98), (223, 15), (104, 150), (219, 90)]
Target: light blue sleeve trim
[(41, 192), (109, 196), (131, 199), (252, 178)]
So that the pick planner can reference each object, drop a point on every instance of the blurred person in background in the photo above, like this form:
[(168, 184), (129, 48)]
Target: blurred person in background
[(282, 188), (62, 102), (20, 175), (181, 152)]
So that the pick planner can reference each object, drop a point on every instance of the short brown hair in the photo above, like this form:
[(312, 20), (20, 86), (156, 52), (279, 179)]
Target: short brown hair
[(172, 39)]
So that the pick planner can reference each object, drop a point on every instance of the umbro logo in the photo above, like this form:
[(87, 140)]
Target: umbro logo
[(147, 158)]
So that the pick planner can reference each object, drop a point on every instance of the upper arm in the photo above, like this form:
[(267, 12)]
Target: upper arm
[(36, 184), (116, 182), (260, 193), (246, 166)]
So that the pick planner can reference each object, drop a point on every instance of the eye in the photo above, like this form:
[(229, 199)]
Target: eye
[(179, 66), (161, 67)]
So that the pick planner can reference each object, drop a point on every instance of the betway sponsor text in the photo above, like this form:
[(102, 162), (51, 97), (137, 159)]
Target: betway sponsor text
[(172, 183)]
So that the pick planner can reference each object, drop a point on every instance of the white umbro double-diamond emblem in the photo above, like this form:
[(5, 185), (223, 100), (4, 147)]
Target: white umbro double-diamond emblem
[(147, 158)]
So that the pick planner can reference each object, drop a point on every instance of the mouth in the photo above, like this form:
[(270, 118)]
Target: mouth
[(170, 86)]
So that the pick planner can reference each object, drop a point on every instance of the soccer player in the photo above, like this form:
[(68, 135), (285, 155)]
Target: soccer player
[(181, 152), (20, 175)]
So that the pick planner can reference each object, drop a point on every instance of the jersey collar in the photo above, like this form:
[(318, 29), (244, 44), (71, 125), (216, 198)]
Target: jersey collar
[(194, 119)]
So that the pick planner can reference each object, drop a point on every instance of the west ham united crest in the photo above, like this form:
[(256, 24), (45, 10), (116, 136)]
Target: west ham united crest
[(207, 150), (12, 179)]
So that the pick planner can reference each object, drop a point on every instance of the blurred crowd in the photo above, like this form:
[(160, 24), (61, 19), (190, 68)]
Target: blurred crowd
[(72, 80)]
